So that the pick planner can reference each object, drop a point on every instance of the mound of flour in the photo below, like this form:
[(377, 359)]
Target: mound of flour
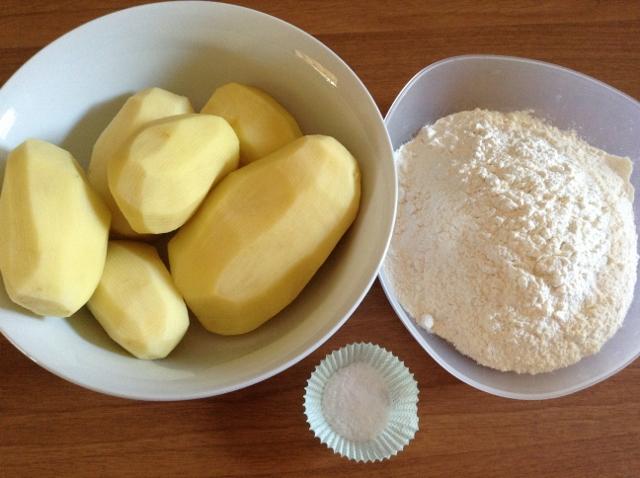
[(514, 241)]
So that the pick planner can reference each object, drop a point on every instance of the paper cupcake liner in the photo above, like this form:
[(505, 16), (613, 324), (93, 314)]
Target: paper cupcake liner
[(402, 422)]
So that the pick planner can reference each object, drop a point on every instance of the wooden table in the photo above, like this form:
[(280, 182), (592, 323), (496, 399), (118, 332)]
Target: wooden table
[(49, 427)]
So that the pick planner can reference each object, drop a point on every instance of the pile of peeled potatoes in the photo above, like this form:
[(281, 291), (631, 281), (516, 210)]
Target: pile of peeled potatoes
[(252, 208)]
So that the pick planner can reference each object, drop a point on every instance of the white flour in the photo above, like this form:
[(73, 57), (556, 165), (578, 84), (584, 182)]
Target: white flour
[(356, 402), (514, 240)]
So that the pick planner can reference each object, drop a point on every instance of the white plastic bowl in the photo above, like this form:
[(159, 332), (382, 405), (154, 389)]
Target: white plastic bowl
[(68, 92), (602, 115)]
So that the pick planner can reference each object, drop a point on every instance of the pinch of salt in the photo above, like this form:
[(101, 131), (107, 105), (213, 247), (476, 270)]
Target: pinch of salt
[(356, 402)]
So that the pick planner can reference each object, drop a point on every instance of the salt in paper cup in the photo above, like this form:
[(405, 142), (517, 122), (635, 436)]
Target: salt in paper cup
[(378, 368)]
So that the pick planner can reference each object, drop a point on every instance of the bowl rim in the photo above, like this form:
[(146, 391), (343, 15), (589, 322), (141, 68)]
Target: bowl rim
[(208, 392), (386, 284)]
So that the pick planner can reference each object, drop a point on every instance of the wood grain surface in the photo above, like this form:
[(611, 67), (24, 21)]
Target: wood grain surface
[(49, 427)]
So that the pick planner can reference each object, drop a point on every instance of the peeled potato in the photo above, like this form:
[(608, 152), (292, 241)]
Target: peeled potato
[(263, 232), (136, 302), (261, 123), (140, 109), (53, 230), (160, 177)]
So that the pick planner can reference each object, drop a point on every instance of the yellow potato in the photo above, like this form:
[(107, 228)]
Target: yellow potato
[(263, 232), (53, 230), (140, 109), (160, 177), (136, 302), (261, 123)]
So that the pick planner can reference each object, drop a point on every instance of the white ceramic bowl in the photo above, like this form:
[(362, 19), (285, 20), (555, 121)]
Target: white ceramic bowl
[(603, 116), (68, 92)]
